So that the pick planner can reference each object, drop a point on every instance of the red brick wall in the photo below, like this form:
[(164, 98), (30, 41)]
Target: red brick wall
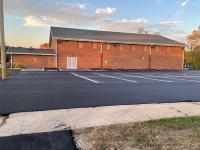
[(53, 44), (126, 58), (119, 58), (87, 57), (34, 61), (167, 60)]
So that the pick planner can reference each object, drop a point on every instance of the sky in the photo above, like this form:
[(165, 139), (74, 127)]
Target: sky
[(27, 22)]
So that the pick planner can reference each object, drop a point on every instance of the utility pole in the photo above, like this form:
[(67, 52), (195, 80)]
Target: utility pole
[(3, 52)]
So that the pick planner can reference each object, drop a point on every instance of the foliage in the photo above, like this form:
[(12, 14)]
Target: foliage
[(8, 56), (193, 39), (142, 31), (169, 133), (8, 72), (17, 65), (44, 45), (192, 56)]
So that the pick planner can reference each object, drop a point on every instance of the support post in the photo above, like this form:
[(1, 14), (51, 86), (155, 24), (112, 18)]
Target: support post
[(3, 52)]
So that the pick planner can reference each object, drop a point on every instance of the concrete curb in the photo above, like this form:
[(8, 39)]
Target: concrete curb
[(57, 120)]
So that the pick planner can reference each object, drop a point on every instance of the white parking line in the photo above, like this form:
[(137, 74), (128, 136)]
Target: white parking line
[(172, 78), (143, 77), (115, 77), (180, 75), (84, 77)]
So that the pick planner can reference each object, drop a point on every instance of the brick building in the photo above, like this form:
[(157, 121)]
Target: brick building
[(77, 48)]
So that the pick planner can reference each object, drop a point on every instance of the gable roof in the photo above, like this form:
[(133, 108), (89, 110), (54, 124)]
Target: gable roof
[(30, 51), (111, 37)]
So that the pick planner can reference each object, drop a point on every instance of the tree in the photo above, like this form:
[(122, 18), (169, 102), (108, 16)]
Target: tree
[(142, 31), (193, 39), (7, 55), (156, 33), (192, 56), (44, 45)]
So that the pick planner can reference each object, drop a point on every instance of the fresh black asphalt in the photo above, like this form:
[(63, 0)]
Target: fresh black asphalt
[(61, 140), (37, 91)]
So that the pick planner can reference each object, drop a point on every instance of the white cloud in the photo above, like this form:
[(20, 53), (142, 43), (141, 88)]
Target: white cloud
[(169, 23), (32, 21), (108, 10), (82, 6), (58, 14), (79, 15), (123, 25), (184, 3)]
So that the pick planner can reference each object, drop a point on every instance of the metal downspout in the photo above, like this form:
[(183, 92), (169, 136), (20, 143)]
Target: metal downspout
[(11, 61), (56, 53), (102, 55), (150, 57)]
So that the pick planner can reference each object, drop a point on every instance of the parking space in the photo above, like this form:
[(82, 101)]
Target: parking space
[(46, 90), (140, 77)]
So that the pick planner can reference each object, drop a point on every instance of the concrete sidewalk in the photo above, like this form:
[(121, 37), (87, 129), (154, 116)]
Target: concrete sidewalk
[(56, 120)]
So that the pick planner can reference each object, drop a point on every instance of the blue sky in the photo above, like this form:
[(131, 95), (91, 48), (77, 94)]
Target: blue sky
[(27, 22)]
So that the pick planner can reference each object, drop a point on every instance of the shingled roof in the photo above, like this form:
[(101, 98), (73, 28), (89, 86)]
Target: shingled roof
[(111, 37), (30, 51)]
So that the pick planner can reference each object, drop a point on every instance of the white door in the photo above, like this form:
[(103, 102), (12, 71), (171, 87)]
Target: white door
[(72, 62)]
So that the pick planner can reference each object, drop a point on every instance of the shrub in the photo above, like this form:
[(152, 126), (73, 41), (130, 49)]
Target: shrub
[(17, 65)]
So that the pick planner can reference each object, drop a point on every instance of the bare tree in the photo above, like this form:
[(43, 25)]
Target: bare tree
[(142, 31)]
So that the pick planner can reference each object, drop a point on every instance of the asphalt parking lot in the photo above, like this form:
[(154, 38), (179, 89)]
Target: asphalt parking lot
[(34, 91)]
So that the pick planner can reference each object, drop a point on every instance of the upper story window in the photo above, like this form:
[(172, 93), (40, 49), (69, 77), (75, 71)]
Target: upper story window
[(157, 49), (168, 49), (133, 47), (94, 45), (146, 48), (80, 45), (121, 47), (108, 46)]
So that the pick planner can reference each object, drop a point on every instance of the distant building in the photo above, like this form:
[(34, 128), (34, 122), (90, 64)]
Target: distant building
[(78, 48)]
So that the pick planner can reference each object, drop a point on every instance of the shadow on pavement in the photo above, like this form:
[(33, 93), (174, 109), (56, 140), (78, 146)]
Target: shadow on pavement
[(60, 140)]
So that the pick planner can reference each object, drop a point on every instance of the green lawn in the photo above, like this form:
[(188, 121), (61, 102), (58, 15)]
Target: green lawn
[(173, 133), (8, 72)]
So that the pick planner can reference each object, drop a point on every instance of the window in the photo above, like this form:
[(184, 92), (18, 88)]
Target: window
[(108, 46), (146, 48), (157, 49), (133, 47), (94, 45), (120, 47), (168, 49), (80, 45)]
